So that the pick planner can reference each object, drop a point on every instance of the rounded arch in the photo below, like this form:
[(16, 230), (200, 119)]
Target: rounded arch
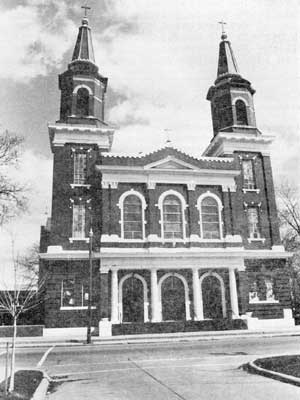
[(145, 294), (220, 279), (202, 197), (186, 292), (184, 205), (241, 112), (120, 204), (242, 99), (82, 86)]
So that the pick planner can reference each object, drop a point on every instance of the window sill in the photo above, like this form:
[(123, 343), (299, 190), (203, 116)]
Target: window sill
[(74, 239), (256, 240), (77, 308), (74, 185), (250, 190), (263, 301)]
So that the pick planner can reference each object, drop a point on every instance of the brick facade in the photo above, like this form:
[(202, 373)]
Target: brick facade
[(209, 258)]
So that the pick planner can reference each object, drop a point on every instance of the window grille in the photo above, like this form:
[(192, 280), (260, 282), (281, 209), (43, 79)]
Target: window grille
[(132, 218), (210, 219), (253, 222), (78, 229), (172, 217), (248, 174), (79, 168)]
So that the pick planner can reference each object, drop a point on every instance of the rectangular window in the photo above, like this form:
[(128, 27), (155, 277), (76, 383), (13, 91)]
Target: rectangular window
[(248, 174), (79, 168), (253, 222), (74, 294), (68, 293), (78, 229)]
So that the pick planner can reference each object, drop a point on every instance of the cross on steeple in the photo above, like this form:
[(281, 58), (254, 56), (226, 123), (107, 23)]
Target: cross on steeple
[(86, 8), (223, 23)]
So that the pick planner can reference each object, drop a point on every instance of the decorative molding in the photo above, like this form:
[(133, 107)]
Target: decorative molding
[(191, 186), (83, 185), (151, 185), (83, 86), (75, 239), (250, 190), (260, 239)]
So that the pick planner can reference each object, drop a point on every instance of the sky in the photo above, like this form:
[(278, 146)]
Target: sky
[(160, 58)]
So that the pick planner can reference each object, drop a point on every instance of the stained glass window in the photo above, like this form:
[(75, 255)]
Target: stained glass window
[(172, 217), (210, 218)]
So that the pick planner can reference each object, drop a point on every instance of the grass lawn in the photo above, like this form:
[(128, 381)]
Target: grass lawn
[(26, 382), (289, 365)]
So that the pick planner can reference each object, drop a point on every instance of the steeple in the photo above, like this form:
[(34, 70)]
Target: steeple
[(82, 102), (83, 50), (82, 87), (231, 96)]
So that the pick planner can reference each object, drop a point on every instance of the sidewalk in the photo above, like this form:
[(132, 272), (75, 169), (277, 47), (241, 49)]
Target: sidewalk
[(72, 340)]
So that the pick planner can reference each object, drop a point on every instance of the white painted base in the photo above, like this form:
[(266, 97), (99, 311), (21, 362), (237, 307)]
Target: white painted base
[(65, 332), (105, 328), (286, 322)]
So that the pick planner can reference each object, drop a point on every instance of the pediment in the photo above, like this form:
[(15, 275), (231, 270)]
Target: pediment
[(170, 163)]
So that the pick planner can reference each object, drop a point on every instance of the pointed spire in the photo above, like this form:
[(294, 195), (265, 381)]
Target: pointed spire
[(227, 63), (83, 50)]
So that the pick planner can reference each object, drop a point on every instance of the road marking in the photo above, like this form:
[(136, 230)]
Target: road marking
[(66, 374), (43, 359)]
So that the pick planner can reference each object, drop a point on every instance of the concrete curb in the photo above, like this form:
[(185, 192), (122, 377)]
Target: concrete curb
[(41, 390), (148, 338), (252, 367)]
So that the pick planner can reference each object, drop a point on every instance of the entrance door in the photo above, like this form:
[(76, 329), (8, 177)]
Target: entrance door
[(212, 298), (133, 300), (173, 299)]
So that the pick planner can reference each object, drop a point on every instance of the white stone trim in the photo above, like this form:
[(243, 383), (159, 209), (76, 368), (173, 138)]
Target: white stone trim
[(145, 296), (93, 80), (76, 239), (183, 208), (186, 293), (176, 160), (242, 99), (120, 204), (222, 288), (83, 86), (201, 177), (62, 308), (220, 208)]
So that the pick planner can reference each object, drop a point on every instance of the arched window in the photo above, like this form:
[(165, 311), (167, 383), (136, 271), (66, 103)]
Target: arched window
[(241, 113), (210, 218), (82, 102), (132, 217), (172, 217)]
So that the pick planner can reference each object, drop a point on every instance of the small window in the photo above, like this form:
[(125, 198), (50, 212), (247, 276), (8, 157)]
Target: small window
[(241, 113), (78, 228), (74, 293), (82, 102), (210, 219), (253, 222), (248, 174), (172, 217), (68, 293), (79, 168), (133, 218), (262, 289)]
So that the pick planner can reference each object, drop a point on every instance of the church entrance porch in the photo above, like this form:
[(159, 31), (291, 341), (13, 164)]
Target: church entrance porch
[(213, 296)]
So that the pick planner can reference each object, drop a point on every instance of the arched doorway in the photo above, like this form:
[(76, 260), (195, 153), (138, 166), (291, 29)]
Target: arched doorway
[(173, 299), (213, 297), (132, 300)]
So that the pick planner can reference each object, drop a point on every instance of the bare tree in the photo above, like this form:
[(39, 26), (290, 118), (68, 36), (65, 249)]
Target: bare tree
[(29, 262), (12, 198), (25, 295), (289, 214)]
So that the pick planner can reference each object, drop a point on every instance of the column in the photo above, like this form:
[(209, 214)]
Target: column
[(114, 296), (233, 294), (154, 297), (104, 288), (198, 304)]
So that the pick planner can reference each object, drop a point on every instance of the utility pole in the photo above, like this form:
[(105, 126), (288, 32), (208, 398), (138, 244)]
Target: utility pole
[(89, 325)]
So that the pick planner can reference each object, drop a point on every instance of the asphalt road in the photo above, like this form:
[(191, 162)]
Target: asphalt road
[(163, 371)]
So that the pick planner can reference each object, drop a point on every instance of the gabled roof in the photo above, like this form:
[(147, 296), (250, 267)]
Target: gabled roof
[(167, 158)]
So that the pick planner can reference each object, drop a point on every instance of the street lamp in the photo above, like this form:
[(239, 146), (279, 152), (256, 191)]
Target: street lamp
[(89, 324)]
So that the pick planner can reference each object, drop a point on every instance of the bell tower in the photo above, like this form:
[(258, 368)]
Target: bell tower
[(231, 96)]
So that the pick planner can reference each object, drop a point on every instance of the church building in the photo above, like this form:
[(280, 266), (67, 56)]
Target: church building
[(176, 243)]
